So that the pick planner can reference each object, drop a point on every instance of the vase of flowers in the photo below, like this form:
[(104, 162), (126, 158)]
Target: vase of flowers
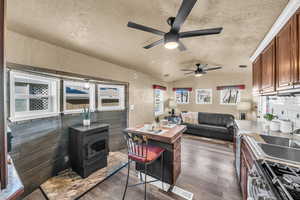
[(86, 117)]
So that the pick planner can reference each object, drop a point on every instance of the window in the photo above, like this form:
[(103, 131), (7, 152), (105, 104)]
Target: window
[(182, 96), (78, 95), (111, 97), (158, 102), (32, 96)]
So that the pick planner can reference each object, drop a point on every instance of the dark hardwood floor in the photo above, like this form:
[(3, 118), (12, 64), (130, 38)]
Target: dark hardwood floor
[(207, 171)]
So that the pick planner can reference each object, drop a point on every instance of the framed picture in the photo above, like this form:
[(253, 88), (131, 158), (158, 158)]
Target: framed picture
[(182, 96), (203, 96), (230, 96), (111, 97), (78, 95)]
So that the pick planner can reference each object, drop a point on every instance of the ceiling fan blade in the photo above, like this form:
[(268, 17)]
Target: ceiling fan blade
[(213, 68), (187, 70), (145, 28), (203, 32), (181, 46), (184, 11), (154, 44), (189, 73)]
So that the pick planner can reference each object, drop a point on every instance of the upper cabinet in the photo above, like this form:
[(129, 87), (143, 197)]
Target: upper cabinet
[(280, 61), (256, 72), (268, 69), (296, 45), (285, 54)]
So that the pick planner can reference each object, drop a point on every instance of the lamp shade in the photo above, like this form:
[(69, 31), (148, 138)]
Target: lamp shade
[(172, 103), (244, 106)]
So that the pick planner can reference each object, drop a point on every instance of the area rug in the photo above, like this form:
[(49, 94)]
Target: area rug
[(68, 185)]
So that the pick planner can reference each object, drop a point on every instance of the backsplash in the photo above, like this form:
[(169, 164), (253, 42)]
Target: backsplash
[(287, 108)]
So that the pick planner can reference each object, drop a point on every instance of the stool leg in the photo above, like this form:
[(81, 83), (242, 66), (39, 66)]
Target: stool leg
[(162, 170), (126, 180), (145, 182)]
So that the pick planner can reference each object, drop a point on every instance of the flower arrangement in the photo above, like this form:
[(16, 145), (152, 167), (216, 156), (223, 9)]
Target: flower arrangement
[(86, 116)]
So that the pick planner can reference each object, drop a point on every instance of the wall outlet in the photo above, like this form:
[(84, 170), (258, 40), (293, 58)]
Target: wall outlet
[(66, 158), (131, 107)]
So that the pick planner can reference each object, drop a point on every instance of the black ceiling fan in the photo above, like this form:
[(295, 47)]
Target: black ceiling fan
[(200, 70), (172, 38)]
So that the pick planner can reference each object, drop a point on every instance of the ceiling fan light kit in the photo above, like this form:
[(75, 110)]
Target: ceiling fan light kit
[(201, 69), (171, 39)]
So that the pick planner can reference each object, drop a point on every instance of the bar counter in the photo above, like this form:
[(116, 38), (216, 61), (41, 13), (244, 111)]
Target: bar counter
[(170, 140)]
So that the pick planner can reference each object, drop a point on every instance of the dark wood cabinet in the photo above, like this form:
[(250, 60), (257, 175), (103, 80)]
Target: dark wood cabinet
[(247, 162), (256, 76), (296, 45), (244, 177), (268, 69), (285, 56)]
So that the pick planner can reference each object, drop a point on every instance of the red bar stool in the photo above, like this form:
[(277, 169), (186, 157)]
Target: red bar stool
[(139, 151)]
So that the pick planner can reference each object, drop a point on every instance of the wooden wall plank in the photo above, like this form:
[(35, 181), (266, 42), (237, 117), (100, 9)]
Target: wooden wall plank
[(40, 147)]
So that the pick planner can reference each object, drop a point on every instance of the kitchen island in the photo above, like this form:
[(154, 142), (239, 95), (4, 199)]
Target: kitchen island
[(170, 140)]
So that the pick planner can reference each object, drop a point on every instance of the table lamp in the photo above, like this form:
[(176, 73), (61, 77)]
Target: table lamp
[(243, 107), (172, 105)]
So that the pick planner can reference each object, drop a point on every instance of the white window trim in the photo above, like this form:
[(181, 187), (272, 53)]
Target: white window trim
[(180, 103), (161, 101), (196, 96), (53, 89), (91, 96), (121, 98)]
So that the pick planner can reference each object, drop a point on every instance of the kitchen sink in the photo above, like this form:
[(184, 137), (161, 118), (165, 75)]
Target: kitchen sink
[(281, 152), (285, 142)]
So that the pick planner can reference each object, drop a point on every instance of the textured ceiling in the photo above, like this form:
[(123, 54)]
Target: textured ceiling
[(98, 28)]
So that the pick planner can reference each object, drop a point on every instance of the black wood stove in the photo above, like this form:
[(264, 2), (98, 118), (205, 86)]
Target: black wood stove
[(88, 148)]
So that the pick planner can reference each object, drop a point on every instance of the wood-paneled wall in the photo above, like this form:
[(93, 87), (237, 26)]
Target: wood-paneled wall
[(40, 147)]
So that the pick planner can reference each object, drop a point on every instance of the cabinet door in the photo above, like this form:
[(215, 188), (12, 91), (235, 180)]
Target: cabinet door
[(256, 76), (244, 177), (284, 57), (296, 34), (268, 68)]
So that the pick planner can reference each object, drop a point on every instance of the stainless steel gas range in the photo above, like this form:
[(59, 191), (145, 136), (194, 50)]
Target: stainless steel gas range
[(273, 181)]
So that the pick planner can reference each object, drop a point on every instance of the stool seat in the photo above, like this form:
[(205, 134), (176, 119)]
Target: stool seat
[(150, 153)]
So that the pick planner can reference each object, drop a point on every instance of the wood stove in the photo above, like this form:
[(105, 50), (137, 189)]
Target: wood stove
[(88, 148)]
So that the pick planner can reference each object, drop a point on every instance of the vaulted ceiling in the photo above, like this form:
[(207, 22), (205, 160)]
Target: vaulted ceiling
[(98, 28)]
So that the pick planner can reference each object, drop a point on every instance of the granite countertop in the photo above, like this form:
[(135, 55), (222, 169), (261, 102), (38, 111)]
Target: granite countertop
[(247, 127)]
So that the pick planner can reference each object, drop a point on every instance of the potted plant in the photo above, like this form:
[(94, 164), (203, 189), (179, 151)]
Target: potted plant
[(86, 117), (268, 118)]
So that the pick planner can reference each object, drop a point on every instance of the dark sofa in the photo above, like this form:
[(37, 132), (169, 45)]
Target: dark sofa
[(213, 125)]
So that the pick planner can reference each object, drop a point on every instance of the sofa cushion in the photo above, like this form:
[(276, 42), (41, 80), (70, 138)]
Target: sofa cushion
[(221, 129), (215, 119), (190, 117)]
